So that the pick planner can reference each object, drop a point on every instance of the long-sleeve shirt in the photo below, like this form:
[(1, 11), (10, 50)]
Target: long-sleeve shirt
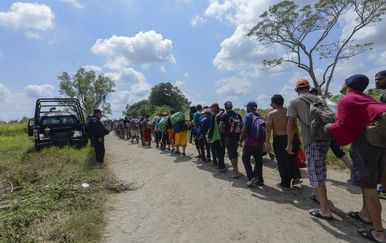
[(97, 128), (355, 111)]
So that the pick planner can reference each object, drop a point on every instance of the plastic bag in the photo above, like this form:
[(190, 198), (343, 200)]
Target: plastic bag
[(300, 159)]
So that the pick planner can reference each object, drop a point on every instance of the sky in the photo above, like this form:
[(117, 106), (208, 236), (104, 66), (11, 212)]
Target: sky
[(198, 45)]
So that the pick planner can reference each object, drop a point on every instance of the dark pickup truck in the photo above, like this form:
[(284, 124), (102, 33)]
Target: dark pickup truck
[(58, 121)]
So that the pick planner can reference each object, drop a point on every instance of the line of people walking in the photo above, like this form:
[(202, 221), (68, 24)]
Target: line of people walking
[(359, 120)]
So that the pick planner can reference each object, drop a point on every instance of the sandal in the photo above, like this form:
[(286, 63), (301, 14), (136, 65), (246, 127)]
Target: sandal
[(355, 215), (368, 234), (316, 213)]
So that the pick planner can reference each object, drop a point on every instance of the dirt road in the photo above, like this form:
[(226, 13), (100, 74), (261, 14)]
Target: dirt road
[(184, 200)]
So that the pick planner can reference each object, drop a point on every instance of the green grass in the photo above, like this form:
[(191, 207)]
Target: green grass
[(51, 204)]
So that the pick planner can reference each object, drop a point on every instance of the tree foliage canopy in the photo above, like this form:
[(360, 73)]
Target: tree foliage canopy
[(89, 88), (170, 95), (306, 32), (138, 109)]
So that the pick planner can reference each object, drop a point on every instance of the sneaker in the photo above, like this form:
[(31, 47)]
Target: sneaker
[(222, 170), (259, 182), (183, 154), (279, 185), (173, 150), (379, 188), (177, 152), (296, 181), (251, 182)]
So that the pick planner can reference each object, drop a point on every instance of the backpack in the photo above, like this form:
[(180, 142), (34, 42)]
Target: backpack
[(258, 128), (134, 123), (203, 127), (321, 114), (234, 124), (375, 132), (179, 126)]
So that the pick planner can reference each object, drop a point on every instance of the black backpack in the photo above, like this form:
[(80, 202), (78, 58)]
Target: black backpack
[(234, 124), (321, 114)]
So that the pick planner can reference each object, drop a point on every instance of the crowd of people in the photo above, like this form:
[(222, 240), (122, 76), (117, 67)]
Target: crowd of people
[(306, 123)]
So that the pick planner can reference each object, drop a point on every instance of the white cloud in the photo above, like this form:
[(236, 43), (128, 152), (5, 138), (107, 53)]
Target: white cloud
[(93, 68), (15, 105), (373, 33), (144, 48), (30, 17), (73, 3), (4, 93), (233, 87), (44, 90), (162, 68), (197, 20), (263, 101), (240, 52), (381, 59), (179, 83), (132, 86)]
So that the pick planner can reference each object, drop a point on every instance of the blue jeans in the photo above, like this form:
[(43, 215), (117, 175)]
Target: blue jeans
[(257, 153)]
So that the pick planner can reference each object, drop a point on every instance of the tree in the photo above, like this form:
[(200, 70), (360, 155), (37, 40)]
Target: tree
[(140, 108), (375, 93), (170, 95), (308, 30), (89, 88)]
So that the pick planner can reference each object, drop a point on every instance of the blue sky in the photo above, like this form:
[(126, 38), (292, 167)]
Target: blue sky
[(200, 46)]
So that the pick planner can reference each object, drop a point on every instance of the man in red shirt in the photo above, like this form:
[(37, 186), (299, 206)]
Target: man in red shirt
[(355, 111)]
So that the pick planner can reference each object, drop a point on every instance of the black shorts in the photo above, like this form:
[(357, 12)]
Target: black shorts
[(232, 144), (367, 163)]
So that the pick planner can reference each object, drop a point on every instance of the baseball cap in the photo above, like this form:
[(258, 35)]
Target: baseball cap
[(302, 83), (228, 105), (252, 105), (215, 105), (358, 82)]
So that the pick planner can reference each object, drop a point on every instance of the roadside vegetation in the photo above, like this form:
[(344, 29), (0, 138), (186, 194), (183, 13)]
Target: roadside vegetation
[(41, 194)]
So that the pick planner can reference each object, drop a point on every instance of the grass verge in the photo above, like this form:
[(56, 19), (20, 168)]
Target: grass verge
[(48, 202)]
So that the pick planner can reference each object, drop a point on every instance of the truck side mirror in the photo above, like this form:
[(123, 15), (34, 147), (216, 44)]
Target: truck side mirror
[(31, 123)]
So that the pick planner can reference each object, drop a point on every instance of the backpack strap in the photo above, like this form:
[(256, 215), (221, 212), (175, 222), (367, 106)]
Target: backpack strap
[(306, 99)]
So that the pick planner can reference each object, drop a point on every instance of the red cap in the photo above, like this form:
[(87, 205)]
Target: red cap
[(302, 83), (215, 105)]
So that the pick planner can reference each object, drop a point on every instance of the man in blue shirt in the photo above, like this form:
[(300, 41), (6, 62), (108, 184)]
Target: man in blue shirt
[(253, 136)]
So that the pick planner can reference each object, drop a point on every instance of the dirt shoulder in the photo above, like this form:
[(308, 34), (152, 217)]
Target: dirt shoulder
[(184, 200)]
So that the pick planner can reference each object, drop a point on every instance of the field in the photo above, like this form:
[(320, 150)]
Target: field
[(41, 194)]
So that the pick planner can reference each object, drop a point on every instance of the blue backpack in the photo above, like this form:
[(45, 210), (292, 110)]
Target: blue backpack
[(258, 128), (203, 127)]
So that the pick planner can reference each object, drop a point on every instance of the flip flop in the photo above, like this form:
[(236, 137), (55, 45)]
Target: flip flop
[(368, 234), (316, 213), (355, 215)]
